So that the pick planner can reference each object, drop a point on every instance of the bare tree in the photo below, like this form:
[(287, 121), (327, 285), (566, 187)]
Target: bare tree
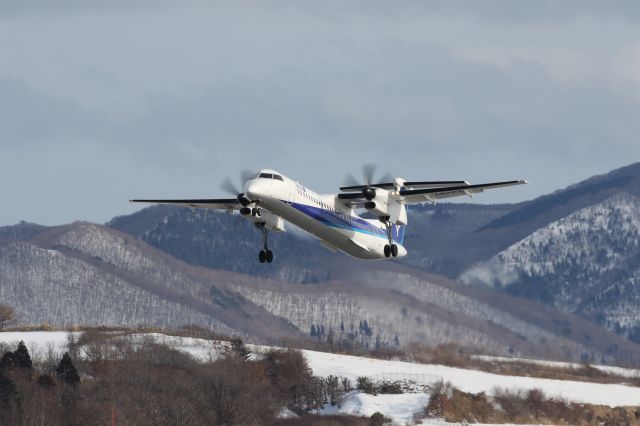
[(8, 315)]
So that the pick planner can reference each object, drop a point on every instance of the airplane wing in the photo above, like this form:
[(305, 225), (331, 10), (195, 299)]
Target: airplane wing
[(421, 192), (433, 194), (206, 203)]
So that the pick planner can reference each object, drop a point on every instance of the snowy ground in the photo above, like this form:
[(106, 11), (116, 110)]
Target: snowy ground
[(398, 407), (37, 342), (324, 364)]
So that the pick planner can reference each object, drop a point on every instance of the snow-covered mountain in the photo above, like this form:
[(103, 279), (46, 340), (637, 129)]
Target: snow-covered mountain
[(587, 263), (85, 273), (89, 274)]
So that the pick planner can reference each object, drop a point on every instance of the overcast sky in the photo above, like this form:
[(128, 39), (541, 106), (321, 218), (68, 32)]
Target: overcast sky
[(104, 101)]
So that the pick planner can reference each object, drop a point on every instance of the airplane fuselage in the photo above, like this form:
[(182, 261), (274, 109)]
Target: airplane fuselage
[(325, 216)]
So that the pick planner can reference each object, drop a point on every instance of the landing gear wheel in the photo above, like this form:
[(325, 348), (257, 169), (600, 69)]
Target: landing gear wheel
[(265, 254), (394, 250), (387, 250)]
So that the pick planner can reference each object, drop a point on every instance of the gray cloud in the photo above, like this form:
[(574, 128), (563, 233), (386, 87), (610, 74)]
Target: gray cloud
[(166, 100)]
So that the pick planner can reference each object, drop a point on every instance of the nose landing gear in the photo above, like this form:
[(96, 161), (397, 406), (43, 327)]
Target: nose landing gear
[(265, 255)]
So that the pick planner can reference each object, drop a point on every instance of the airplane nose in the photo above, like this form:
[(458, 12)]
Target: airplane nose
[(256, 189)]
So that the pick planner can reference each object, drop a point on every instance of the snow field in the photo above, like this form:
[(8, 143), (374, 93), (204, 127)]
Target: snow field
[(473, 381)]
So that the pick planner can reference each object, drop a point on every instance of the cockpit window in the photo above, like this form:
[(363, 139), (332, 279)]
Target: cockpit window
[(270, 176)]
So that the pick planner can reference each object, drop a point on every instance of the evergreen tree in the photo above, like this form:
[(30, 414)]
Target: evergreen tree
[(22, 358), (366, 329), (313, 333), (396, 341), (66, 371), (341, 328)]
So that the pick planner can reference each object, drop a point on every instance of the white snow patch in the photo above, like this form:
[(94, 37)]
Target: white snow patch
[(398, 407), (35, 338), (38, 343), (285, 413)]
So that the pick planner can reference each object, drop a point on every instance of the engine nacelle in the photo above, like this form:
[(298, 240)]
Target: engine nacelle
[(382, 205)]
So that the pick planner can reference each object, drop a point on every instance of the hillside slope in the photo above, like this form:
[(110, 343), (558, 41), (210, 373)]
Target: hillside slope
[(401, 304), (89, 274), (587, 263), (502, 232)]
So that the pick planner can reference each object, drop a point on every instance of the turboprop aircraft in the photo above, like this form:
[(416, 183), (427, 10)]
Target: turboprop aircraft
[(270, 198)]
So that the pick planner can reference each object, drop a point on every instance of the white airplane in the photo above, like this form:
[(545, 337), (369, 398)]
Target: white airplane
[(269, 198)]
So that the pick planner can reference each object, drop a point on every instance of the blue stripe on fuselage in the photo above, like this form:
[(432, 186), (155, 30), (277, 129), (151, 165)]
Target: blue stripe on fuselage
[(339, 220)]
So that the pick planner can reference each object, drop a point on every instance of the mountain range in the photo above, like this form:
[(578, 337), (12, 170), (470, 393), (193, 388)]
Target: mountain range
[(552, 277)]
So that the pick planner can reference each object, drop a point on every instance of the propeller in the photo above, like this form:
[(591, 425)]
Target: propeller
[(368, 173), (231, 188)]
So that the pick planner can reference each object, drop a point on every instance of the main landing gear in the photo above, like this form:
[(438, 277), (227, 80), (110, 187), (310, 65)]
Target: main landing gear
[(389, 249), (265, 255)]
